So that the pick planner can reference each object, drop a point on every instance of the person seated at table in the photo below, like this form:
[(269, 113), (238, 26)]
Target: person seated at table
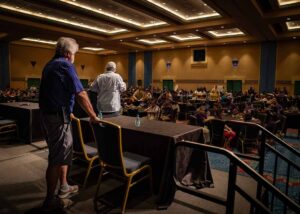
[(163, 97), (138, 95), (201, 116), (167, 111), (229, 135), (148, 95), (153, 110), (214, 95)]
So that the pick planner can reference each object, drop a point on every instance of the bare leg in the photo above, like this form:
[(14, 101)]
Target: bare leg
[(63, 174), (52, 176)]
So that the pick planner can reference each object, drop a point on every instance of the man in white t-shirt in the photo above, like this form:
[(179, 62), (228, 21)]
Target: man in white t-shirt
[(108, 87)]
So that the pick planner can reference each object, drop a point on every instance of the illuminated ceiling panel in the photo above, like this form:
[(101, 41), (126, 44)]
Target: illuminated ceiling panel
[(287, 2), (49, 42), (188, 10), (59, 16), (186, 37), (118, 12), (293, 25), (152, 41), (226, 32), (92, 49)]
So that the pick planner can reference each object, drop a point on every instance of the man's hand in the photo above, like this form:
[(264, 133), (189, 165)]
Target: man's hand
[(94, 119)]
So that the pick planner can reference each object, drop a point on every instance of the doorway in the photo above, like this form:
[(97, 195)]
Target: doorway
[(168, 84), (234, 86)]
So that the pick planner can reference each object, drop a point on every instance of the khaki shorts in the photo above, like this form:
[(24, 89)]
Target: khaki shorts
[(59, 139)]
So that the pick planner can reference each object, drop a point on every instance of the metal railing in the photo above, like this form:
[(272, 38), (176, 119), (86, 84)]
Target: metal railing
[(263, 145), (257, 204)]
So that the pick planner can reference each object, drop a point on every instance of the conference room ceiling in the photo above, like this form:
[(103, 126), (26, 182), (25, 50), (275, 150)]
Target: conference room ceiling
[(114, 26)]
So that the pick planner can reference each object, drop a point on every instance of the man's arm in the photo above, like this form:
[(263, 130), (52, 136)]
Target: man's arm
[(85, 103)]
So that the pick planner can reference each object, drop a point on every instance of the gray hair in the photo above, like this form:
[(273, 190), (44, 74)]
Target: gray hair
[(111, 66), (66, 45)]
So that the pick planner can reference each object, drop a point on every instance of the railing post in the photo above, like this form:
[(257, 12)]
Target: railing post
[(231, 188), (262, 149)]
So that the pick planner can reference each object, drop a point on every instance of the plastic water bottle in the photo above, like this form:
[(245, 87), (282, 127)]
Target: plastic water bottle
[(100, 115), (137, 121)]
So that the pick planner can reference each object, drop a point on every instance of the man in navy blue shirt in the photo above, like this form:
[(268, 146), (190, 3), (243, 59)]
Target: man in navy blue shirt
[(60, 86)]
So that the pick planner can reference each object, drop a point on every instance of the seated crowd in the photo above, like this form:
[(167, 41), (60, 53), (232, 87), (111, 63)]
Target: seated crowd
[(17, 95)]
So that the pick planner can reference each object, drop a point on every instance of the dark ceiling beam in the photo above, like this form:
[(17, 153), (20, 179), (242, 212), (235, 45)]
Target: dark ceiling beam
[(151, 10), (76, 11), (191, 27), (248, 17), (282, 15)]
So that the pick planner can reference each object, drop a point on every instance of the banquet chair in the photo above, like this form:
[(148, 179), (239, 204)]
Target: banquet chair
[(81, 150), (217, 132), (9, 127), (113, 160), (249, 136)]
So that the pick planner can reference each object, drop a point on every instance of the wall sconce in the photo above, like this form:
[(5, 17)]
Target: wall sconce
[(33, 63), (168, 65), (235, 63), (82, 67)]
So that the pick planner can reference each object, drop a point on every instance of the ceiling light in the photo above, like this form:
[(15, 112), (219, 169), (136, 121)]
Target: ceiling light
[(287, 2), (121, 40), (92, 49), (225, 33), (152, 41), (185, 37), (197, 30), (294, 37), (184, 17), (61, 20), (102, 12), (222, 27), (50, 42), (293, 25)]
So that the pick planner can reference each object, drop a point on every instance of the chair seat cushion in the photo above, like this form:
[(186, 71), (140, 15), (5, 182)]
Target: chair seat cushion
[(90, 150), (7, 122), (134, 161)]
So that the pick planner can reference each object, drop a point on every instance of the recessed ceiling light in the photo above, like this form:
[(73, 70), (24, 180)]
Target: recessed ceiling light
[(121, 40), (152, 41), (50, 42), (210, 13), (92, 49), (226, 33), (197, 30), (60, 20), (185, 37), (287, 2), (112, 15), (294, 37)]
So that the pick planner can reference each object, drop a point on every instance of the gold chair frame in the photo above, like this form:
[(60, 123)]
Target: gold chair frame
[(83, 155), (128, 177)]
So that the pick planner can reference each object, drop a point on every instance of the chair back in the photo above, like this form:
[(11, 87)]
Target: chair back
[(78, 141), (217, 132), (108, 137), (262, 117), (251, 132)]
